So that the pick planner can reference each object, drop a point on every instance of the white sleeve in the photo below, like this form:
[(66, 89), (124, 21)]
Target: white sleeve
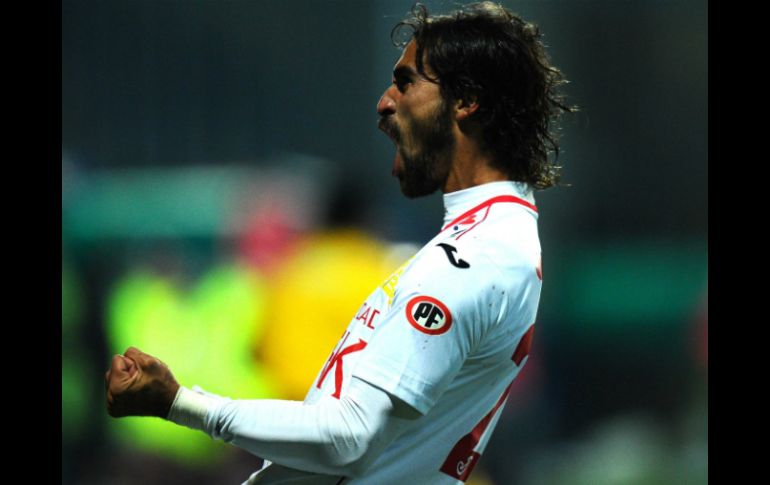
[(332, 436)]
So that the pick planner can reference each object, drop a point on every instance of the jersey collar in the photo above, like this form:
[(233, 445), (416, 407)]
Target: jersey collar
[(472, 199)]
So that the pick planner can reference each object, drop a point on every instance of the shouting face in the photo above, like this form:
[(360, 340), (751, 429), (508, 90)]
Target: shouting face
[(418, 120)]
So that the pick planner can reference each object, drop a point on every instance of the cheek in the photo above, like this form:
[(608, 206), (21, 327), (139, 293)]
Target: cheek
[(410, 138), (410, 125), (405, 128)]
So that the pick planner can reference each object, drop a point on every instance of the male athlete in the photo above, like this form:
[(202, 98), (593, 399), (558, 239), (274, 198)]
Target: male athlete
[(416, 384)]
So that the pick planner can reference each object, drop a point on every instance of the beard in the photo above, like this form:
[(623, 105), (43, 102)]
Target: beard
[(427, 155)]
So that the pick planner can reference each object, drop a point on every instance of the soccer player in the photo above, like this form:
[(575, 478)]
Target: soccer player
[(416, 384)]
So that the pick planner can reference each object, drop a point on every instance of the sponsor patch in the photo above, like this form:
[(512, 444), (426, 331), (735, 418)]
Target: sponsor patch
[(428, 315)]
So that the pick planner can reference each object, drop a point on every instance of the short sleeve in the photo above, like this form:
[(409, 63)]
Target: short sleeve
[(439, 314)]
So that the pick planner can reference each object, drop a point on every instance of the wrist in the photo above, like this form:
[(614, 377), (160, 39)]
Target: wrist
[(189, 408), (171, 396)]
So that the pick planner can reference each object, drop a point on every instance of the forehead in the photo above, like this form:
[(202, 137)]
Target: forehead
[(408, 59), (408, 56)]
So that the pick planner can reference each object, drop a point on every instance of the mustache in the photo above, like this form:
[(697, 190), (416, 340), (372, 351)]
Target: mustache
[(387, 125)]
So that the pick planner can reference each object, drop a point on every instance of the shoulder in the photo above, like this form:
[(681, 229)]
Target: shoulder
[(506, 239), (451, 266), (465, 276)]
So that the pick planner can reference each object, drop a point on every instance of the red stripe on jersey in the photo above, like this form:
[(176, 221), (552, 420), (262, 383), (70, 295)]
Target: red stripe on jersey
[(522, 350), (463, 457), (493, 200), (486, 213)]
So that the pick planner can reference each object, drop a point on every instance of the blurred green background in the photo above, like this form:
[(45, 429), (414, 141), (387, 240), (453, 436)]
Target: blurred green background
[(227, 205)]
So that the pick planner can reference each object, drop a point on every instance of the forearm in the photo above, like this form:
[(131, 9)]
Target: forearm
[(333, 436)]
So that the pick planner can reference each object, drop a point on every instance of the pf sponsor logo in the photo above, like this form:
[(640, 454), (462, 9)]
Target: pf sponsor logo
[(428, 315)]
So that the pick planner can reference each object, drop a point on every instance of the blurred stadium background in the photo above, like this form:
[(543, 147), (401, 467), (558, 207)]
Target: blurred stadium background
[(227, 205)]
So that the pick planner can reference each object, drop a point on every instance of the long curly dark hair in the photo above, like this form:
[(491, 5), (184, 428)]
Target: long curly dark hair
[(485, 53)]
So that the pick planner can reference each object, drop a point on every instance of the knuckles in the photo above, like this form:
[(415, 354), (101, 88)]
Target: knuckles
[(144, 393)]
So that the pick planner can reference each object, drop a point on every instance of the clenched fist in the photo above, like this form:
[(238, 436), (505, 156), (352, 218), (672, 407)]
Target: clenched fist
[(138, 384)]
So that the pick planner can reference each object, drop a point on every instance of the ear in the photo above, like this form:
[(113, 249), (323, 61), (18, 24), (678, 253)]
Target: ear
[(464, 108)]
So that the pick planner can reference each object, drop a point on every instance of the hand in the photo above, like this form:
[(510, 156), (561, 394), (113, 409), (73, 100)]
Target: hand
[(138, 384)]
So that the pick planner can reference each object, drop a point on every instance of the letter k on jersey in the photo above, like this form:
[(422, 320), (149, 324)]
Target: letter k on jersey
[(336, 361)]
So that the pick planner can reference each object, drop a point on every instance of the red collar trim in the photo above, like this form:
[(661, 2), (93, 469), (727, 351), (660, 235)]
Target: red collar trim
[(493, 200)]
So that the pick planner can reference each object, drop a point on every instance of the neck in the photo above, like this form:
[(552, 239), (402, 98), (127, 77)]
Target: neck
[(470, 167)]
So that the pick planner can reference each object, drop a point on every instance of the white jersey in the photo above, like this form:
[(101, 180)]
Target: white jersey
[(446, 333)]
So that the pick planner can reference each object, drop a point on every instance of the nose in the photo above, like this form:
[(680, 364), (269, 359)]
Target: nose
[(386, 105)]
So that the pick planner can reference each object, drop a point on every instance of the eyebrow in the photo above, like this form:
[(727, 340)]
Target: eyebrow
[(408, 72), (405, 71)]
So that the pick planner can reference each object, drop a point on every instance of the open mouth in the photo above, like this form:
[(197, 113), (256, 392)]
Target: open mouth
[(387, 127)]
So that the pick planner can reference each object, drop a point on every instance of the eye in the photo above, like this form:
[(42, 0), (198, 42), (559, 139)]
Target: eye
[(401, 83)]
